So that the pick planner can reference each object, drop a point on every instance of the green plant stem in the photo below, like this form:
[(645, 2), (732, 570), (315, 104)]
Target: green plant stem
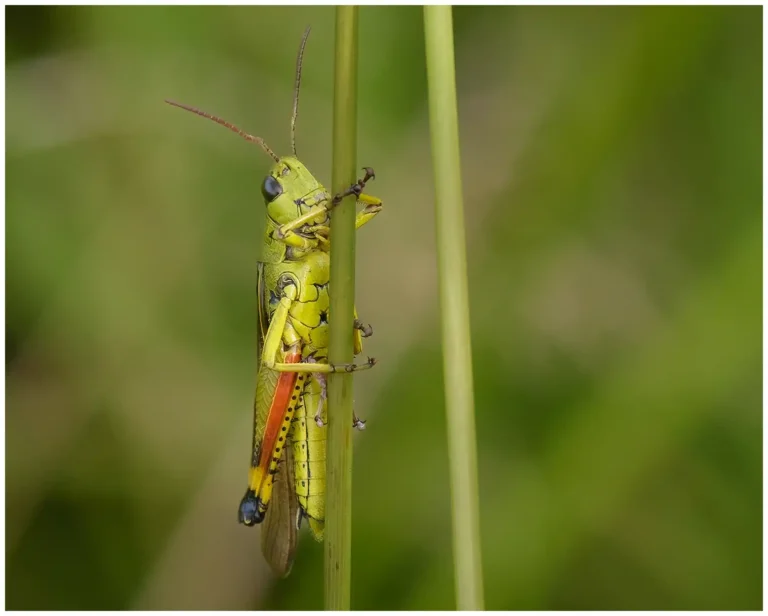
[(454, 303), (338, 514)]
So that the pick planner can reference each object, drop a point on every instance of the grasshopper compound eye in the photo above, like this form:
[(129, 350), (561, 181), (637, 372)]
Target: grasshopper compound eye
[(249, 513), (271, 189)]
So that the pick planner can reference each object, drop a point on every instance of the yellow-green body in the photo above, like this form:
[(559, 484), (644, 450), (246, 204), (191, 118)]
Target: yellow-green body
[(309, 450), (293, 315)]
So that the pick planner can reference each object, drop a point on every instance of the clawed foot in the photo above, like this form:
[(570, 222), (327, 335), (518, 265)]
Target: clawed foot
[(369, 175), (365, 330), (356, 188)]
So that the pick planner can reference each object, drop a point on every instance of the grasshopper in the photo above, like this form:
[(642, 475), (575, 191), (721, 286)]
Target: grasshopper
[(289, 439)]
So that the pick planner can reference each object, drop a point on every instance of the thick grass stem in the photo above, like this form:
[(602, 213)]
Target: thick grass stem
[(454, 304), (338, 519)]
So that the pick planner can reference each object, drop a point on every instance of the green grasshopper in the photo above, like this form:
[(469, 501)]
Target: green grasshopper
[(288, 454)]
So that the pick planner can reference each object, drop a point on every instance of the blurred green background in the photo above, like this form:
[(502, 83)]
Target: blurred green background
[(612, 176)]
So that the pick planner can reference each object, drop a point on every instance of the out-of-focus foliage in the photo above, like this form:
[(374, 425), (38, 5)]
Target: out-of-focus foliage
[(612, 169)]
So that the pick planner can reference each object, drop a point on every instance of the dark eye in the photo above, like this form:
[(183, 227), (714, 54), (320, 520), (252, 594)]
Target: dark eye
[(271, 189)]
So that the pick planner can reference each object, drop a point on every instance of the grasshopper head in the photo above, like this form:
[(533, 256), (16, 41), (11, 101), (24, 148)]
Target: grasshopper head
[(284, 187)]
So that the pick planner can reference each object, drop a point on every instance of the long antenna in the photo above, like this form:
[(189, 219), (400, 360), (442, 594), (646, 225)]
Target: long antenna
[(296, 88), (226, 124)]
